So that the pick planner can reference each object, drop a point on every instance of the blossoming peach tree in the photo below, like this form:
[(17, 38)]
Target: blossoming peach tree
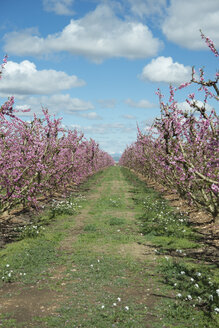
[(40, 157), (184, 153)]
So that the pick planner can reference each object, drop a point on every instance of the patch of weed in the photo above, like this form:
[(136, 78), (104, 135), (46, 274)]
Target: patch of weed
[(179, 315), (90, 227), (195, 284), (97, 301), (25, 260), (116, 221), (7, 322)]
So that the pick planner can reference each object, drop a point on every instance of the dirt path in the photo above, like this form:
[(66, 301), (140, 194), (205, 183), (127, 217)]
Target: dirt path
[(99, 273)]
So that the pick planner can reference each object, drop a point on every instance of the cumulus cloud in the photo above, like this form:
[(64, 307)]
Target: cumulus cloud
[(147, 123), (24, 78), (58, 103), (112, 137), (139, 104), (91, 116), (163, 69), (59, 7), (100, 34), (143, 8), (129, 117), (107, 103), (185, 106), (106, 128), (185, 19)]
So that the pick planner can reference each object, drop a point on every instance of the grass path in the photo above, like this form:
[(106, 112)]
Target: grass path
[(92, 269)]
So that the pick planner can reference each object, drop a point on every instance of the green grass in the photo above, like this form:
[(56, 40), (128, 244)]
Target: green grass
[(8, 322), (116, 221), (99, 299), (103, 283), (194, 283), (26, 259)]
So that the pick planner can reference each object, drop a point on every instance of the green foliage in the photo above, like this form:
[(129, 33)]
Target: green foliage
[(63, 207), (30, 231)]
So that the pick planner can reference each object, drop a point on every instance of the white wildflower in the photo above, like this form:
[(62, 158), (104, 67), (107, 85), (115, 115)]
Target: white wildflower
[(189, 297)]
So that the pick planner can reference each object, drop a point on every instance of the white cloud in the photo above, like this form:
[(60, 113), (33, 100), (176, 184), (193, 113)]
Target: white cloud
[(139, 104), (107, 103), (112, 137), (163, 69), (106, 128), (147, 7), (59, 7), (147, 123), (186, 18), (185, 106), (115, 153), (24, 78), (129, 117), (91, 116), (100, 34), (59, 103)]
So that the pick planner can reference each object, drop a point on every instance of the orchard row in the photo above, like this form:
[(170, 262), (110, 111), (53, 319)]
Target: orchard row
[(181, 149), (40, 157)]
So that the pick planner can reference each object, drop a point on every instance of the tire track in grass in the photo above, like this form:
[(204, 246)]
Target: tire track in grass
[(106, 277)]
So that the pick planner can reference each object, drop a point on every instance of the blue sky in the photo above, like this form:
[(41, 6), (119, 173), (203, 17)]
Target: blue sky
[(98, 64)]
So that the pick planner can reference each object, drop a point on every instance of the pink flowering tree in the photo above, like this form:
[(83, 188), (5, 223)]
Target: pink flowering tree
[(40, 157), (184, 153), (7, 107)]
